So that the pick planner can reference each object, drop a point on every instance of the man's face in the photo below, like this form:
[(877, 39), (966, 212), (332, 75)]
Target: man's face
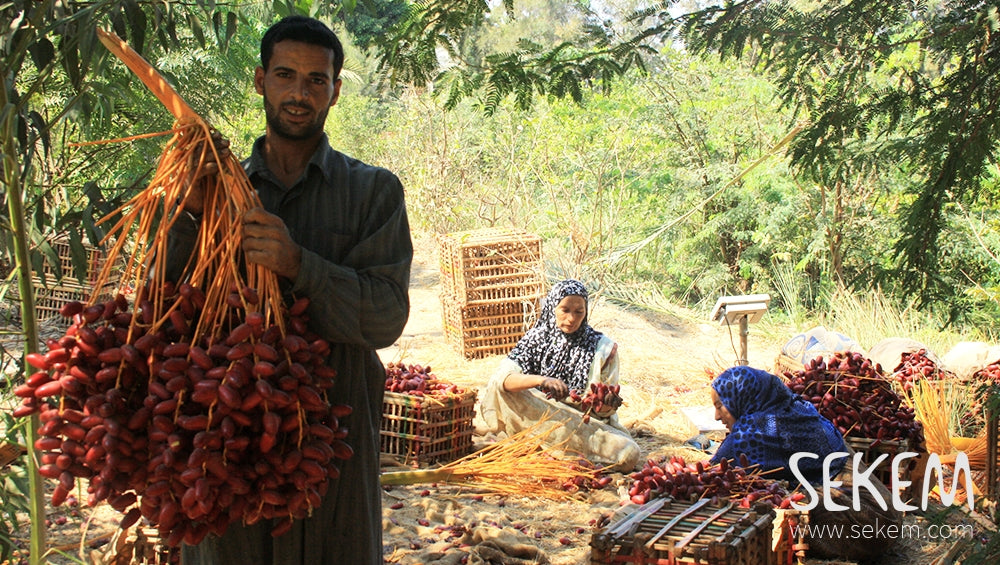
[(298, 89)]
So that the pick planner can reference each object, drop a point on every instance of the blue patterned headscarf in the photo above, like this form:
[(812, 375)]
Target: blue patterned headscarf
[(772, 423), (547, 351)]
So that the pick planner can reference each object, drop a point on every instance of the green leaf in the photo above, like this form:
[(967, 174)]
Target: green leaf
[(281, 9), (42, 52), (70, 54), (196, 30), (217, 25), (118, 25), (137, 25), (231, 24), (41, 130), (78, 255)]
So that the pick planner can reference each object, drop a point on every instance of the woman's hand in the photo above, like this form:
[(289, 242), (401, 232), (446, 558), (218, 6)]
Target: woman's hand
[(554, 388)]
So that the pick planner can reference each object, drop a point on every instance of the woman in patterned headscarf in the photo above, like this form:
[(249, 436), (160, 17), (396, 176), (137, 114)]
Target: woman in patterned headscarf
[(768, 423), (561, 353)]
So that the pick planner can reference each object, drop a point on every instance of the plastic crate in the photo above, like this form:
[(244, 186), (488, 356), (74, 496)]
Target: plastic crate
[(665, 531), (491, 265), (427, 429), (487, 329)]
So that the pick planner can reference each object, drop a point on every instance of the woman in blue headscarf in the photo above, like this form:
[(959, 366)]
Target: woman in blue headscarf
[(768, 423), (559, 354)]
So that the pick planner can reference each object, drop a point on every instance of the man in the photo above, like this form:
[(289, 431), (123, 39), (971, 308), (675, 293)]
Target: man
[(335, 230)]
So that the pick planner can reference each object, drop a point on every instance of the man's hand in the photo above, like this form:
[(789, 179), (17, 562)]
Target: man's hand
[(266, 242), (194, 200)]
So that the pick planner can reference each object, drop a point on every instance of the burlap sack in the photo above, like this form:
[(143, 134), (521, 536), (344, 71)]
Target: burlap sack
[(889, 352), (967, 357)]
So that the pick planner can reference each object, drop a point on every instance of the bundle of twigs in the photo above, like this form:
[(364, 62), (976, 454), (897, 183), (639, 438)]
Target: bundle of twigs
[(932, 407), (215, 266), (974, 448), (520, 464), (934, 403)]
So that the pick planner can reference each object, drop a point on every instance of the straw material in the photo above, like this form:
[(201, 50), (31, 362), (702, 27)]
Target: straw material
[(518, 465)]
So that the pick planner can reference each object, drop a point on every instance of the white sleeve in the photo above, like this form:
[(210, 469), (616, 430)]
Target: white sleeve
[(604, 369)]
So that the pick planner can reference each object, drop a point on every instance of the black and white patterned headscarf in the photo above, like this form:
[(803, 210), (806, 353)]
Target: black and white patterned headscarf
[(548, 351)]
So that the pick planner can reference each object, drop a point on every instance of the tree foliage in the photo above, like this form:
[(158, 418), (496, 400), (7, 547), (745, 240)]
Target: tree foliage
[(411, 55), (899, 100), (910, 85), (367, 24), (914, 83), (61, 86)]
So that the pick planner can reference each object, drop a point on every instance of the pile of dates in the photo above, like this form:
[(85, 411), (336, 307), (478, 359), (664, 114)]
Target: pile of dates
[(849, 391)]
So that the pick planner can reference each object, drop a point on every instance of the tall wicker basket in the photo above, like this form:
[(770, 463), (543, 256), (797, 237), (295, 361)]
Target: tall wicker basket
[(54, 287), (491, 283)]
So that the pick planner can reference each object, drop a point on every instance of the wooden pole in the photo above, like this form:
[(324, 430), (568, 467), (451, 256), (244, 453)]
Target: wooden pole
[(991, 453), (744, 332)]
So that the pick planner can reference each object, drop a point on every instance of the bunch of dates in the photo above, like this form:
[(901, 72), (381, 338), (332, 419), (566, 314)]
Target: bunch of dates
[(850, 392), (191, 433), (600, 399), (725, 481), (914, 366)]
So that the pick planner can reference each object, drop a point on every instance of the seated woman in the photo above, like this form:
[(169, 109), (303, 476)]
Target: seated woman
[(768, 423), (559, 354)]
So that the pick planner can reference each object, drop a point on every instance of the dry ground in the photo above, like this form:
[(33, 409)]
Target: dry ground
[(667, 361)]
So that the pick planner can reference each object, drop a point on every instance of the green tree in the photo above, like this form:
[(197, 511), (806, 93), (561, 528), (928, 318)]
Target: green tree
[(49, 58), (427, 47), (369, 22), (880, 84), (914, 83)]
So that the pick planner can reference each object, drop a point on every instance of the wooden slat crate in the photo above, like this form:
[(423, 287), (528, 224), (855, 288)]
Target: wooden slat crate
[(668, 532), (483, 330), (49, 299), (785, 364), (992, 478), (491, 265), (427, 429), (9, 452), (95, 259), (136, 546), (788, 536), (51, 292), (871, 449)]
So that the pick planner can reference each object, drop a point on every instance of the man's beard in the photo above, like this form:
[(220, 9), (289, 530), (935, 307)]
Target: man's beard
[(293, 133)]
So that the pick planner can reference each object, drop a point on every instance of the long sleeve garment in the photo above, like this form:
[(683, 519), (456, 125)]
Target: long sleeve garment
[(604, 443), (350, 219)]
